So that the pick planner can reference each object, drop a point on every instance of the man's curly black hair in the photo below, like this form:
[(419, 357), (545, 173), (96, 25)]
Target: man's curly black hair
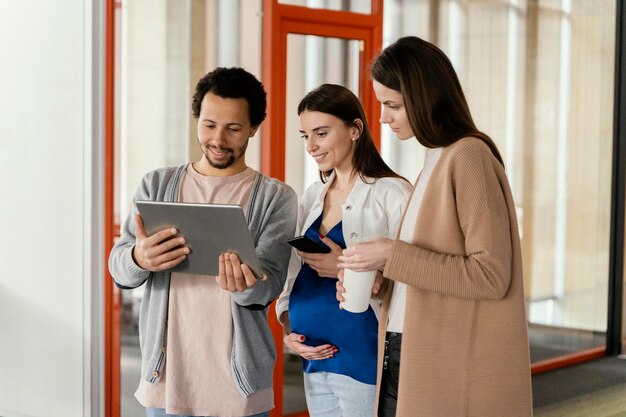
[(233, 83)]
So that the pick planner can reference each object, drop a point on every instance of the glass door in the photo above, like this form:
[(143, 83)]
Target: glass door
[(328, 42), (312, 60)]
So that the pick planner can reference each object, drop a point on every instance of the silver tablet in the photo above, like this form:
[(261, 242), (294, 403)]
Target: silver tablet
[(209, 230)]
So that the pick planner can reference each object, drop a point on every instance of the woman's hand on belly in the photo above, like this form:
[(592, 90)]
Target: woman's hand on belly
[(295, 342)]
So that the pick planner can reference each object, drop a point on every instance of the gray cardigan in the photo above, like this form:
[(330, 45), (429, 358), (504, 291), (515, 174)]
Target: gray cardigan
[(272, 216)]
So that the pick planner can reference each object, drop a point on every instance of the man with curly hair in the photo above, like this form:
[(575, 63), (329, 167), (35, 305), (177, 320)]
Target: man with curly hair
[(212, 330)]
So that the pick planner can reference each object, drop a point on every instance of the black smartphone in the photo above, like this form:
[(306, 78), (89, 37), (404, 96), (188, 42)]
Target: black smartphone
[(306, 244)]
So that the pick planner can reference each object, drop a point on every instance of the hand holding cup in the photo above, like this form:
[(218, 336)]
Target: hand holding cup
[(361, 263)]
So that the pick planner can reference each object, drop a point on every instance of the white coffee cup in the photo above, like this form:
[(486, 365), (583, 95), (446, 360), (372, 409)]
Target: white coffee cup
[(358, 287)]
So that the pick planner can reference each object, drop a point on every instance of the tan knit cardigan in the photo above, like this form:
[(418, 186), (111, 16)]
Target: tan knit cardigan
[(465, 341)]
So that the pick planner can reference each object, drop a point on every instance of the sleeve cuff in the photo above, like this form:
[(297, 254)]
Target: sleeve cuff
[(134, 269)]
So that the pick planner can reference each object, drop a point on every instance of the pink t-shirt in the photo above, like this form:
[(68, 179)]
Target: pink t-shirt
[(198, 378)]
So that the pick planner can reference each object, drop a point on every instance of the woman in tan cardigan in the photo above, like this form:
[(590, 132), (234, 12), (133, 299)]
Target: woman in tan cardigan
[(453, 334)]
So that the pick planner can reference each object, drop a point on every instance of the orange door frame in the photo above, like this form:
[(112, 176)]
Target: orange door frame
[(112, 296), (280, 20), (111, 293)]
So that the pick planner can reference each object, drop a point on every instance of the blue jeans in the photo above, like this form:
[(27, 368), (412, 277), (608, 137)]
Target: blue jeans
[(160, 412), (336, 395)]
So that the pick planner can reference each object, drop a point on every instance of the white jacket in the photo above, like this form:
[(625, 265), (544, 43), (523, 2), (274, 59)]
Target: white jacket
[(370, 211)]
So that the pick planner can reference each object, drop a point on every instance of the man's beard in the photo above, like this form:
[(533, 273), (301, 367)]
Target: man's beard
[(228, 161)]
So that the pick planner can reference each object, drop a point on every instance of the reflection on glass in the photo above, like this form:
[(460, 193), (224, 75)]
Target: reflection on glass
[(130, 363), (154, 110), (357, 6), (311, 61), (568, 237), (538, 76), (623, 348)]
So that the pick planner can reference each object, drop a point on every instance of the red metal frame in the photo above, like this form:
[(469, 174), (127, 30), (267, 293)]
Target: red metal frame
[(111, 293), (567, 360), (279, 20)]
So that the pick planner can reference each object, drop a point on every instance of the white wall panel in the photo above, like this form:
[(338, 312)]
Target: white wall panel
[(46, 209)]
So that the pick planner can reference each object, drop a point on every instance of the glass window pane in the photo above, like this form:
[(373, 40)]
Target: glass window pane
[(153, 122), (567, 239), (551, 4), (311, 61), (539, 80), (164, 48)]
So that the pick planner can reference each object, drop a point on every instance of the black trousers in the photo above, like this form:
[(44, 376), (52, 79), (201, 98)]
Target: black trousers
[(391, 370)]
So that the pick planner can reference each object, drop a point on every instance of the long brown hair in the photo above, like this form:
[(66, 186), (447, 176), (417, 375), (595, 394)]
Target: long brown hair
[(436, 106), (340, 102)]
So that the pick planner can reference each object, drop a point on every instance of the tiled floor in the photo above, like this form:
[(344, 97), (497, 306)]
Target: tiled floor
[(293, 388), (591, 389), (130, 373)]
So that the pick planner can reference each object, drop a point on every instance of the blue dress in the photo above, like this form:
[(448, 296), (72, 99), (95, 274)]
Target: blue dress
[(314, 312)]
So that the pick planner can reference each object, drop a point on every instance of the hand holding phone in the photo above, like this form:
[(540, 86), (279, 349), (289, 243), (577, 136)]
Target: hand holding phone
[(306, 244)]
